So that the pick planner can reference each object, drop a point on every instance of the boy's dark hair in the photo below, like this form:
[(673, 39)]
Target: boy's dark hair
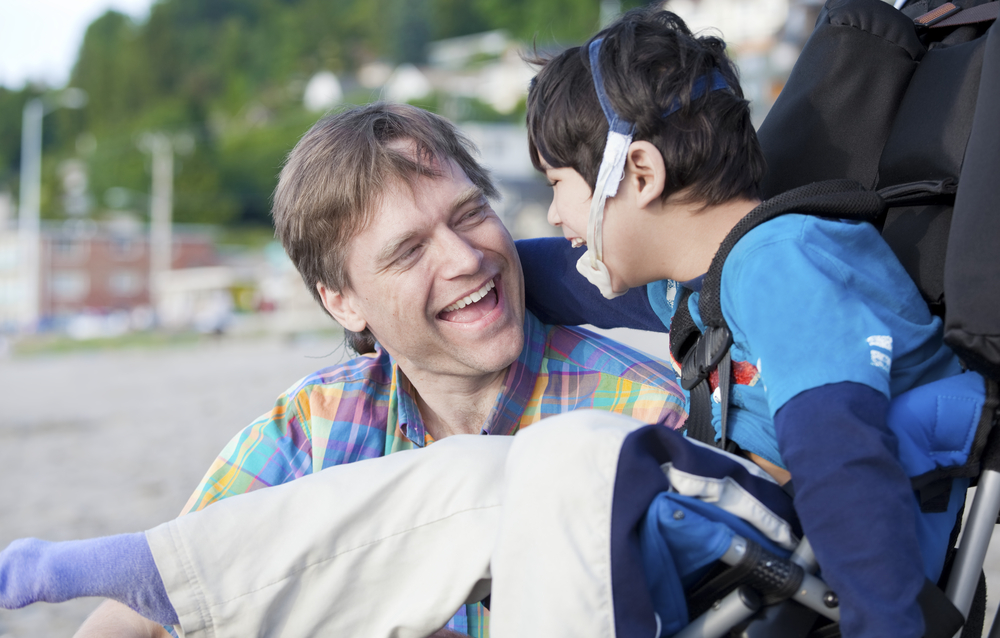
[(336, 177), (649, 59)]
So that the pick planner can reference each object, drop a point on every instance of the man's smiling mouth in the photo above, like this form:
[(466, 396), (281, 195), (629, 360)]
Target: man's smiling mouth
[(473, 306)]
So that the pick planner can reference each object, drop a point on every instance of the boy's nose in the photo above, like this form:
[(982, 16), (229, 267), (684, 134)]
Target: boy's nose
[(552, 216)]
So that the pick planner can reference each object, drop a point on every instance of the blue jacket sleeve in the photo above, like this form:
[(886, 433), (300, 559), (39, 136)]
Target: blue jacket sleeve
[(557, 294), (856, 506)]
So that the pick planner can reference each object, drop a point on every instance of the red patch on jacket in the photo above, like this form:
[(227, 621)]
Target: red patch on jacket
[(743, 373)]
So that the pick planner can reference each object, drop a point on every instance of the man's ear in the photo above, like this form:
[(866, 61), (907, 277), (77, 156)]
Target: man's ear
[(645, 172), (342, 308)]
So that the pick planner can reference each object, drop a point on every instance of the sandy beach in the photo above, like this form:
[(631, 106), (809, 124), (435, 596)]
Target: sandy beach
[(95, 443)]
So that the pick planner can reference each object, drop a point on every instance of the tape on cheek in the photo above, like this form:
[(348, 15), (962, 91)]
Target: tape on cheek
[(608, 177)]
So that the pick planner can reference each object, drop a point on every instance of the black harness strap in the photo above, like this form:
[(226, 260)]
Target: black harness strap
[(951, 15), (701, 358), (700, 354)]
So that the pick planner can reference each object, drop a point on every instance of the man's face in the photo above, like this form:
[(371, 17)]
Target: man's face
[(436, 278)]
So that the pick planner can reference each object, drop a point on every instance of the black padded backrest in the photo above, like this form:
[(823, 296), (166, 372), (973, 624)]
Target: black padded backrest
[(836, 110), (928, 138), (927, 144), (868, 101), (972, 269)]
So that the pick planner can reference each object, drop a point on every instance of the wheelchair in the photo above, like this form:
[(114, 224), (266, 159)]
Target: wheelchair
[(903, 100)]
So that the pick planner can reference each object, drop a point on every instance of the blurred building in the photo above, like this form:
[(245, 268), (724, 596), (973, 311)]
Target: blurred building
[(285, 305), (93, 268), (199, 297)]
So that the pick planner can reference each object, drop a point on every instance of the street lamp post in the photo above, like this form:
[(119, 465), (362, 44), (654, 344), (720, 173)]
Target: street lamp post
[(29, 225), (162, 147), (161, 216), (28, 209)]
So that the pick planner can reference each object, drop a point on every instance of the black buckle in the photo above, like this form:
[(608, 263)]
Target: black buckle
[(705, 356)]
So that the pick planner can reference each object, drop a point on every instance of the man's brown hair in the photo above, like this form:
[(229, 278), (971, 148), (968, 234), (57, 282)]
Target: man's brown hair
[(336, 176), (650, 60)]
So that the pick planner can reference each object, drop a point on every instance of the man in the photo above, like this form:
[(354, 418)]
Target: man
[(386, 215)]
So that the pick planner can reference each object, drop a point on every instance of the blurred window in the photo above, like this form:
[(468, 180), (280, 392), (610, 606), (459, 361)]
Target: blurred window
[(125, 283), (125, 247), (8, 256), (11, 293), (69, 285), (70, 249)]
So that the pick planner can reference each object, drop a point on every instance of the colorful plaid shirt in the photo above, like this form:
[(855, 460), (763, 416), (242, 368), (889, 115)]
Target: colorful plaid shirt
[(366, 409)]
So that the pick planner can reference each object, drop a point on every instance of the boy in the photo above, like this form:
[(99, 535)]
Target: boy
[(646, 139)]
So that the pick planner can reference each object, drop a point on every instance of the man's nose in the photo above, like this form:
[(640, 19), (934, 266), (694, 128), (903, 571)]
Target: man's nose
[(461, 256)]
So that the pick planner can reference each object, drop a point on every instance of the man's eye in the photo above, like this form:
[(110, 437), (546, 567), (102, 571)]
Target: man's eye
[(552, 182), (409, 254), (473, 215)]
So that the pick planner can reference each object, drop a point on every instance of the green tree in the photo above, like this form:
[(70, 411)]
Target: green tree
[(112, 69)]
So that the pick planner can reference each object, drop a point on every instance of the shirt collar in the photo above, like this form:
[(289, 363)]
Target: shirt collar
[(409, 422), (513, 398)]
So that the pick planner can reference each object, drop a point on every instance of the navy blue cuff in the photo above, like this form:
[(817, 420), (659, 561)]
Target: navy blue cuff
[(856, 506)]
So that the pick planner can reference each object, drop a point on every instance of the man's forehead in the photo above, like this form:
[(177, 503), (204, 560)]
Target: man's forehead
[(446, 185)]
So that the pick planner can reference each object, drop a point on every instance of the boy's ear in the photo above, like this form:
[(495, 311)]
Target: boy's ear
[(646, 172), (342, 308)]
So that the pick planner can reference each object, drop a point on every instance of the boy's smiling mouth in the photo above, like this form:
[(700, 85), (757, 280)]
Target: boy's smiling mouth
[(473, 306)]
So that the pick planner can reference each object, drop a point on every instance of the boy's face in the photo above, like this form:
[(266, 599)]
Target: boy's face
[(570, 207), (570, 211), (430, 247)]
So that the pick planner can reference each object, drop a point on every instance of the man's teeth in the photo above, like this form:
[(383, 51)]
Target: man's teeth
[(473, 298), (576, 242)]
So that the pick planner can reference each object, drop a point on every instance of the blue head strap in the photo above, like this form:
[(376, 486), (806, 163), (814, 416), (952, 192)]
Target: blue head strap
[(617, 124), (713, 81)]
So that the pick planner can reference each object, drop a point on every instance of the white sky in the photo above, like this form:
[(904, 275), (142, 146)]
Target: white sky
[(39, 39)]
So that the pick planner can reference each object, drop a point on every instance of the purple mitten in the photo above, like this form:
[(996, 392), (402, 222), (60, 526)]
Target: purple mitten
[(117, 567)]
